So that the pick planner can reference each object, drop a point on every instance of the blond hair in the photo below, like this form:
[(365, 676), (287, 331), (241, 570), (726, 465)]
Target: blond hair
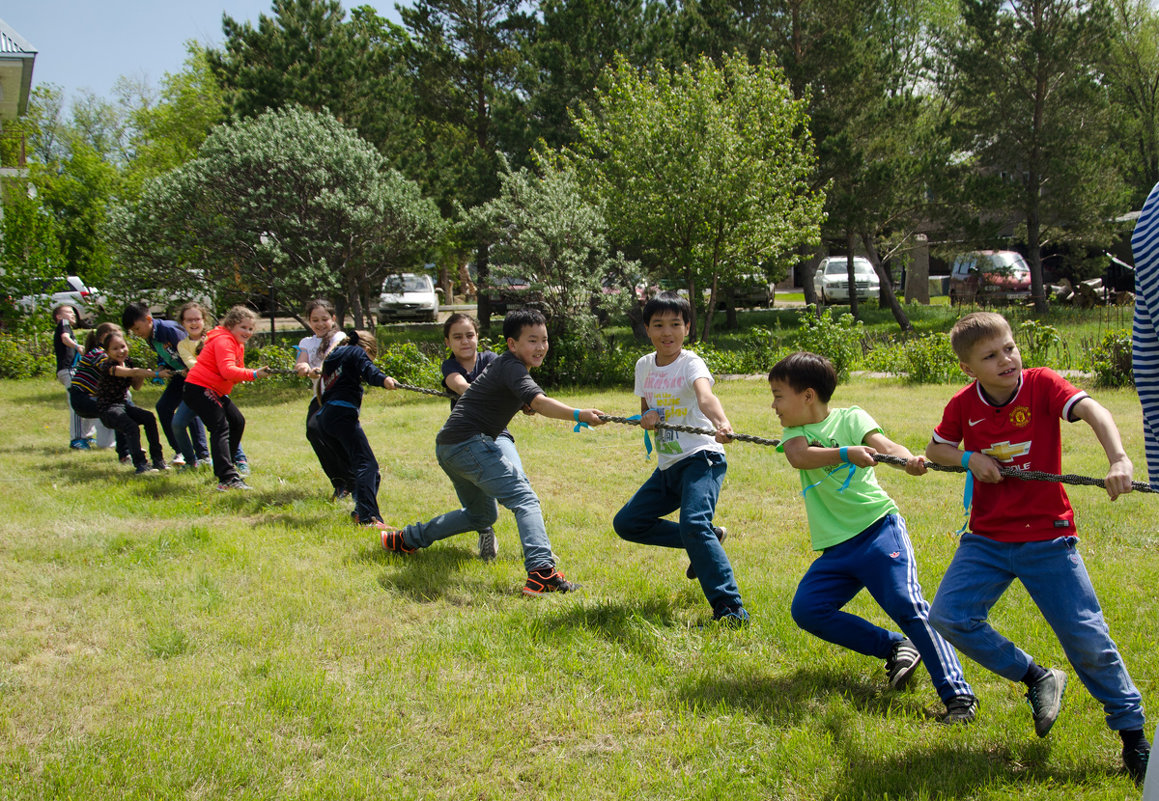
[(975, 327), (238, 314)]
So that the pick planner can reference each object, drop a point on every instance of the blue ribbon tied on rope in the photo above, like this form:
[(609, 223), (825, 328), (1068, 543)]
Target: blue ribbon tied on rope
[(845, 465), (647, 439), (968, 493)]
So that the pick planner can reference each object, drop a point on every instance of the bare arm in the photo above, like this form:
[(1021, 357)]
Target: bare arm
[(712, 408), (457, 383), (1121, 470), (880, 443), (984, 468), (550, 407)]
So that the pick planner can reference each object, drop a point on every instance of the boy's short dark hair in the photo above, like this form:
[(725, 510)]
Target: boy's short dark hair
[(56, 310), (804, 370), (132, 314), (518, 319), (975, 327), (667, 302)]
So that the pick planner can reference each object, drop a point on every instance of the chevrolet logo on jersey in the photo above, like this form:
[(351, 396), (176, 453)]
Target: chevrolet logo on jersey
[(1007, 451)]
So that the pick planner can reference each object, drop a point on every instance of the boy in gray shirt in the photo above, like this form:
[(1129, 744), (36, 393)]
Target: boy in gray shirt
[(485, 468)]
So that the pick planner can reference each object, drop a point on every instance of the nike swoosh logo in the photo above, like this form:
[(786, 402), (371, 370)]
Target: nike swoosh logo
[(976, 422)]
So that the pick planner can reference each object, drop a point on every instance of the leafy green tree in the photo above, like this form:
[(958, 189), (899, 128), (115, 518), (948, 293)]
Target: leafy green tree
[(1032, 122), (465, 60), (308, 54), (705, 169), (290, 199), (1131, 62), (542, 229), (167, 133), (29, 245)]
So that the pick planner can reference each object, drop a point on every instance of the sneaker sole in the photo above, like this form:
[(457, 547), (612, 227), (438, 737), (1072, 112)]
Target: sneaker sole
[(1045, 730)]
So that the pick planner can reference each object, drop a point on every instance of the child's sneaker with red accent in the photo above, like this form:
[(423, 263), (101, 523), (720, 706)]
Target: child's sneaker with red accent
[(547, 579), (392, 541)]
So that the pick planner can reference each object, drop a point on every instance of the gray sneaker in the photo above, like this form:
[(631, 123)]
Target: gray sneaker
[(1045, 697), (488, 545), (721, 534), (902, 662), (960, 710)]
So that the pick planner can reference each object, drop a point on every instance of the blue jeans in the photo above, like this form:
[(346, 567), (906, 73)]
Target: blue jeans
[(485, 471), (184, 421), (880, 559), (1056, 579), (692, 485)]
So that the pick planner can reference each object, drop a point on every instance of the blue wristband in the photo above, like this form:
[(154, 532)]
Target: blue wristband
[(578, 424), (966, 459), (843, 452)]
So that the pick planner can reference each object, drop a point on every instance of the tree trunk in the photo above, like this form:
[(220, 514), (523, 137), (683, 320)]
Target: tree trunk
[(853, 305), (482, 272), (706, 335), (886, 284)]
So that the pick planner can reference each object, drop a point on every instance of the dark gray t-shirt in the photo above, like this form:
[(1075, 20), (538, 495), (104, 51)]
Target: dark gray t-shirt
[(491, 401)]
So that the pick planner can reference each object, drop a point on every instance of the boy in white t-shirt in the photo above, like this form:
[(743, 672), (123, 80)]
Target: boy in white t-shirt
[(675, 386)]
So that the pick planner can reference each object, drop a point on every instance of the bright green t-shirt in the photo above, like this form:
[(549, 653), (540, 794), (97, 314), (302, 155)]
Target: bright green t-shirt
[(836, 515)]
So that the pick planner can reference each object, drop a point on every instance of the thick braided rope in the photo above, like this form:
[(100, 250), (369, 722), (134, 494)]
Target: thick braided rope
[(436, 393), (708, 432), (1026, 475), (398, 384)]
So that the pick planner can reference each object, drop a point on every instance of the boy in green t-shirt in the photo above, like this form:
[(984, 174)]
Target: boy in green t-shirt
[(861, 537)]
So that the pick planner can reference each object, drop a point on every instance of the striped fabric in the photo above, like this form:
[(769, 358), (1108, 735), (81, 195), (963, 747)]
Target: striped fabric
[(1145, 342), (88, 371)]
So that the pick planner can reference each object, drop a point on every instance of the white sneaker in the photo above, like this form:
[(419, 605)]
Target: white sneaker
[(177, 460)]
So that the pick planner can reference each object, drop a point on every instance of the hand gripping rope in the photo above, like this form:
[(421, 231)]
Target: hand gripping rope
[(880, 458)]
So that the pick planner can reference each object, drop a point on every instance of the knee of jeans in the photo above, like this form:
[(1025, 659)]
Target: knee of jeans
[(943, 620), (483, 518), (626, 525)]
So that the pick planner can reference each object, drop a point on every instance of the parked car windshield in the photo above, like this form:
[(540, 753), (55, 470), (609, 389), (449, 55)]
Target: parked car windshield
[(860, 266), (406, 283)]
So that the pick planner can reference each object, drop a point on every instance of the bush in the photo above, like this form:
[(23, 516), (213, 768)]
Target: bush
[(836, 338), (931, 360), (406, 363), (1039, 340), (1111, 360), (22, 358)]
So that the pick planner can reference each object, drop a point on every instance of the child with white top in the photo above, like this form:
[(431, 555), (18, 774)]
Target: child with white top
[(675, 386), (312, 352)]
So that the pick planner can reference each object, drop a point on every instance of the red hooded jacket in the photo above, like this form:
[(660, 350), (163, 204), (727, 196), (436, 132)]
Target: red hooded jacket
[(221, 363)]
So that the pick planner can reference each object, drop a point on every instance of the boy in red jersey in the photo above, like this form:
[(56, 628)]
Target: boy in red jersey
[(1025, 530)]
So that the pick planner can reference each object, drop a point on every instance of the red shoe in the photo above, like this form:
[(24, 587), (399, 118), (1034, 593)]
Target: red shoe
[(547, 579), (392, 540)]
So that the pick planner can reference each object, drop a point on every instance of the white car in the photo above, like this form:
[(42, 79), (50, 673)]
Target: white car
[(831, 281), (410, 296), (62, 290)]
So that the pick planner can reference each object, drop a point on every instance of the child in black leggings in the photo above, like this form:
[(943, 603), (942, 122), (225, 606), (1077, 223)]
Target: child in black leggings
[(117, 412)]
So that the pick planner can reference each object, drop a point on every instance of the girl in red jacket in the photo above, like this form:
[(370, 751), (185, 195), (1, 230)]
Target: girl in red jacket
[(220, 365)]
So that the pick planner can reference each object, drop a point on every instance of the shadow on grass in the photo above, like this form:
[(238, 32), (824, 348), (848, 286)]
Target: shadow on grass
[(636, 626), (432, 574), (793, 698), (958, 771)]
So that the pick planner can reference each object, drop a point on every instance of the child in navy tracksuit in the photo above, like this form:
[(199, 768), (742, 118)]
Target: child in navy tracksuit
[(861, 538), (343, 373)]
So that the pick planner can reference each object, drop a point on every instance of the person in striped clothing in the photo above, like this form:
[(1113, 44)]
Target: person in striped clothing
[(1145, 342), (1145, 359)]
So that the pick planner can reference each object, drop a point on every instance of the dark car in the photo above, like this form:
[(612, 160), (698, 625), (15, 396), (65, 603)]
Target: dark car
[(989, 275)]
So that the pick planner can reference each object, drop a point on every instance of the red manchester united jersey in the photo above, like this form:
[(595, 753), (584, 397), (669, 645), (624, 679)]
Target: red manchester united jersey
[(1023, 434)]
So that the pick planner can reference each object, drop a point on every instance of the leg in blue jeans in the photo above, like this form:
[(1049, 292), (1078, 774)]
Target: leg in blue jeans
[(692, 485), (485, 471), (167, 404), (1057, 581), (186, 421)]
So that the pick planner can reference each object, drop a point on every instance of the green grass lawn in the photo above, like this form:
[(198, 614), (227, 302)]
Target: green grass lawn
[(162, 640)]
